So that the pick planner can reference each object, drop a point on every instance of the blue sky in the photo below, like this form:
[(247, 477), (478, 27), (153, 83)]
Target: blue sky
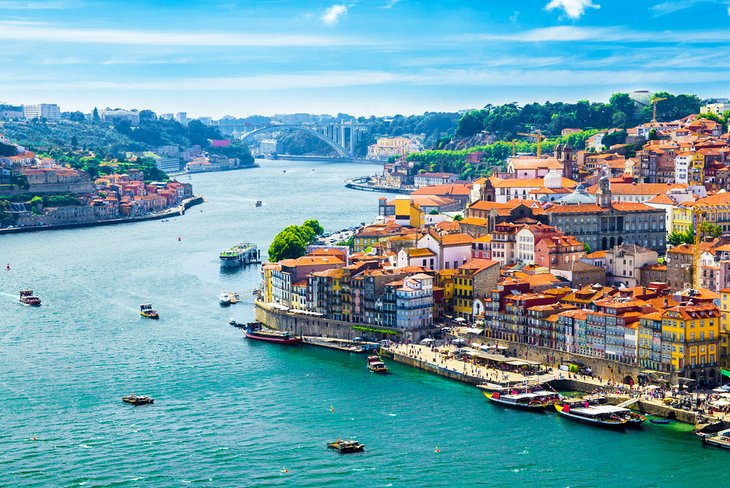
[(379, 57)]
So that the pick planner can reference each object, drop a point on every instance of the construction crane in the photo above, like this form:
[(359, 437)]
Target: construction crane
[(654, 101), (698, 220), (537, 134)]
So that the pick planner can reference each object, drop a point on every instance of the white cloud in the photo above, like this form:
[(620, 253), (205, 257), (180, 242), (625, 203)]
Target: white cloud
[(603, 35), (36, 33), (669, 7), (390, 4), (332, 14), (572, 8)]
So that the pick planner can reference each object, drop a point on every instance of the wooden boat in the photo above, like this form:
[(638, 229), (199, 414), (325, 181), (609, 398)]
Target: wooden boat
[(257, 332), (27, 298), (660, 421), (720, 439), (634, 419), (346, 446), (146, 311), (376, 365), (600, 415), (138, 400), (538, 400)]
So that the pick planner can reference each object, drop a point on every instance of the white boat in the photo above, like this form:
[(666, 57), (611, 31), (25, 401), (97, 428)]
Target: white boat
[(602, 415), (721, 439), (228, 298)]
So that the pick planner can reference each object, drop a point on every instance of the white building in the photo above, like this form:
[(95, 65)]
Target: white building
[(715, 108), (450, 250), (117, 115), (430, 179), (624, 263), (414, 302), (48, 111), (682, 163)]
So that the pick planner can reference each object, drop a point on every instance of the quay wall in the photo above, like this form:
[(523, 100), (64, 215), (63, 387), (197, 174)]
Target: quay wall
[(318, 326), (432, 368), (170, 212), (659, 410)]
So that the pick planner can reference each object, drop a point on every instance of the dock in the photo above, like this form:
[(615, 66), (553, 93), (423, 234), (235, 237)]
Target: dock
[(340, 344), (362, 184)]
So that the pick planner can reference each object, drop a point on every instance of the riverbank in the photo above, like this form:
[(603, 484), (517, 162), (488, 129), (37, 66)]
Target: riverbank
[(362, 183), (167, 213)]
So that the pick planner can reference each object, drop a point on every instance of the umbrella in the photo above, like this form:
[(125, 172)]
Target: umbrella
[(427, 340), (458, 341), (460, 319)]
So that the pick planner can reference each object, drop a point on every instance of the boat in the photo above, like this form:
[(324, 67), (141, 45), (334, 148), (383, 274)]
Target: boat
[(660, 421), (227, 298), (376, 365), (720, 439), (146, 310), (259, 203), (257, 332), (346, 446), (634, 419), (27, 298), (138, 400), (238, 255), (601, 415), (538, 400)]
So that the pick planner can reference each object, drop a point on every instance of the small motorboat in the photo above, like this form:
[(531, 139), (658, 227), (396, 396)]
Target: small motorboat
[(234, 323), (259, 203), (346, 446), (27, 298), (660, 421), (146, 311), (138, 400), (376, 365), (228, 298)]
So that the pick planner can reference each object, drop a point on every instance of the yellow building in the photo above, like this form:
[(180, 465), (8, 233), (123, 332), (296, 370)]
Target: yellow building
[(692, 334), (267, 269), (724, 353), (368, 236), (714, 209), (474, 279), (445, 280)]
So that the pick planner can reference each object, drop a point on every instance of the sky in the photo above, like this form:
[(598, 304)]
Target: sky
[(362, 57)]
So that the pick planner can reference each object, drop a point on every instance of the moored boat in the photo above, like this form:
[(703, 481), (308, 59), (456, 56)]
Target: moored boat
[(138, 399), (27, 298), (601, 415), (146, 310), (239, 255), (720, 439), (660, 421), (257, 332), (228, 298), (634, 419), (376, 365), (259, 203), (346, 446), (537, 400)]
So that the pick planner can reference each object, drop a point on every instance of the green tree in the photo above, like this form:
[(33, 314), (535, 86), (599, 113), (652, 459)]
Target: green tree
[(315, 226), (35, 205), (675, 238), (469, 124), (458, 217), (288, 244), (586, 248), (708, 228)]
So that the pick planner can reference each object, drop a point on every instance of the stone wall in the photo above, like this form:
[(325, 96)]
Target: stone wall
[(613, 370), (308, 325)]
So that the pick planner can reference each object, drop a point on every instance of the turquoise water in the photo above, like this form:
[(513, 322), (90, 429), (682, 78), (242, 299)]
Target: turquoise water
[(234, 413)]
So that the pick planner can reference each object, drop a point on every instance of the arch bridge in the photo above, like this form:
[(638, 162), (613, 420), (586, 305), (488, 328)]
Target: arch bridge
[(341, 151)]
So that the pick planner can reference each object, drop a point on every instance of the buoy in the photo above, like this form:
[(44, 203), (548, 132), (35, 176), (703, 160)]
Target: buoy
[(7, 267), (438, 450), (332, 408), (34, 437), (284, 470), (179, 238)]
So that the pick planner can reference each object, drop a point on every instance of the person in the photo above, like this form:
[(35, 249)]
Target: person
[(7, 267)]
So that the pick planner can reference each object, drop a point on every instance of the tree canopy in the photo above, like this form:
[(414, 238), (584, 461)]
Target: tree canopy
[(292, 241)]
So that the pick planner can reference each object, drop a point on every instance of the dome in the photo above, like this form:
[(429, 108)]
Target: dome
[(579, 195)]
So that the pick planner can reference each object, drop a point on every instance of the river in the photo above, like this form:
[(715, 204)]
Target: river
[(229, 412)]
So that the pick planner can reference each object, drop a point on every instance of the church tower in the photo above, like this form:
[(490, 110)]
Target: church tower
[(603, 194)]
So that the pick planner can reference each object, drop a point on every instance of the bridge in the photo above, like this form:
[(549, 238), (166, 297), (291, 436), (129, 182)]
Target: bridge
[(340, 137)]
